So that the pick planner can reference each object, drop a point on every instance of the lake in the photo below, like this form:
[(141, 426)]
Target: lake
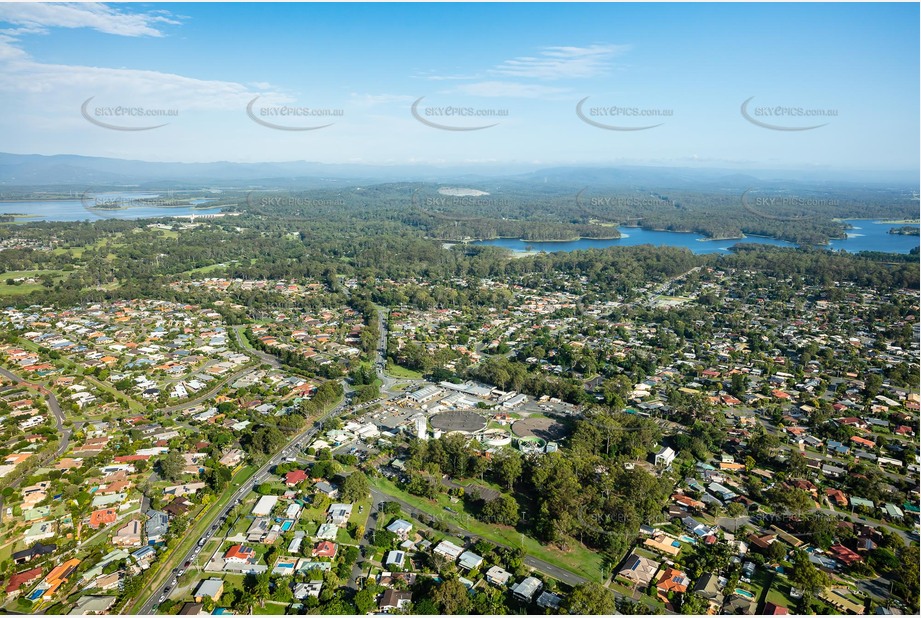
[(74, 210), (867, 235)]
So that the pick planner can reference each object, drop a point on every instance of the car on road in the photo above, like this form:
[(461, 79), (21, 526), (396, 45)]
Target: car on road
[(179, 574), (187, 563)]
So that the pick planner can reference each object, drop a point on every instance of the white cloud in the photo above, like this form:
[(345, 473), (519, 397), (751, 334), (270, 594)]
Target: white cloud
[(58, 90), (508, 89), (562, 62), (37, 17)]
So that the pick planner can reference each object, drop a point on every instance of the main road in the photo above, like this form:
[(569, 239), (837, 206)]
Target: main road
[(298, 442)]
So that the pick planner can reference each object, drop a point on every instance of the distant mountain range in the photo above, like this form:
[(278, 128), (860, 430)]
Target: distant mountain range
[(19, 171)]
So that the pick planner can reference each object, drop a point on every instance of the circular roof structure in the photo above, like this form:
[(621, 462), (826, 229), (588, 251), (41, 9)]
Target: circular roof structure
[(465, 421), (496, 437), (542, 427)]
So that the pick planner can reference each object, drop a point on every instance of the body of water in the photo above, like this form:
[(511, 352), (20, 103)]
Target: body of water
[(866, 236), (74, 210)]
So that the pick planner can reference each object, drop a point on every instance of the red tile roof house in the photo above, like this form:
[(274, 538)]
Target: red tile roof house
[(852, 421), (845, 555), (770, 609), (863, 442), (24, 578), (673, 580), (239, 553), (294, 477), (325, 549), (805, 485), (837, 495), (102, 517)]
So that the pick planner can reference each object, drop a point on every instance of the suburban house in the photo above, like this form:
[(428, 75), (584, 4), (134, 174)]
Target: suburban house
[(526, 589), (303, 590), (548, 600), (448, 550), (324, 549), (469, 561), (665, 457), (211, 588), (128, 535), (400, 528), (672, 580), (639, 569), (497, 576), (395, 599), (156, 526), (294, 477), (339, 514), (239, 553), (36, 551), (21, 579)]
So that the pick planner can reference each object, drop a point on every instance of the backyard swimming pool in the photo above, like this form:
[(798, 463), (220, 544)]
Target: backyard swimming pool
[(744, 593)]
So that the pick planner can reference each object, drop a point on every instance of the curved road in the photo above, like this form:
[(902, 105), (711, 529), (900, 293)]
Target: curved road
[(55, 408), (249, 349), (211, 392)]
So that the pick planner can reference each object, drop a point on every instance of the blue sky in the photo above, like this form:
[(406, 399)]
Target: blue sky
[(687, 68)]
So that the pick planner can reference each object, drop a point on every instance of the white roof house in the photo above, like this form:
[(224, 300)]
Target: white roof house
[(265, 505), (449, 550)]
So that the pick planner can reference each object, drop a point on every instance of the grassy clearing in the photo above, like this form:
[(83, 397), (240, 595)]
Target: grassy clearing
[(26, 288), (577, 559), (204, 270), (398, 371)]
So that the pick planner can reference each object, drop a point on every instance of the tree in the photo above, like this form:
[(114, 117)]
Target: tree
[(591, 598), (323, 469), (489, 601), (501, 510), (795, 501), (171, 465), (283, 592), (265, 440), (354, 488), (805, 575), (691, 604), (451, 597), (508, 467)]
